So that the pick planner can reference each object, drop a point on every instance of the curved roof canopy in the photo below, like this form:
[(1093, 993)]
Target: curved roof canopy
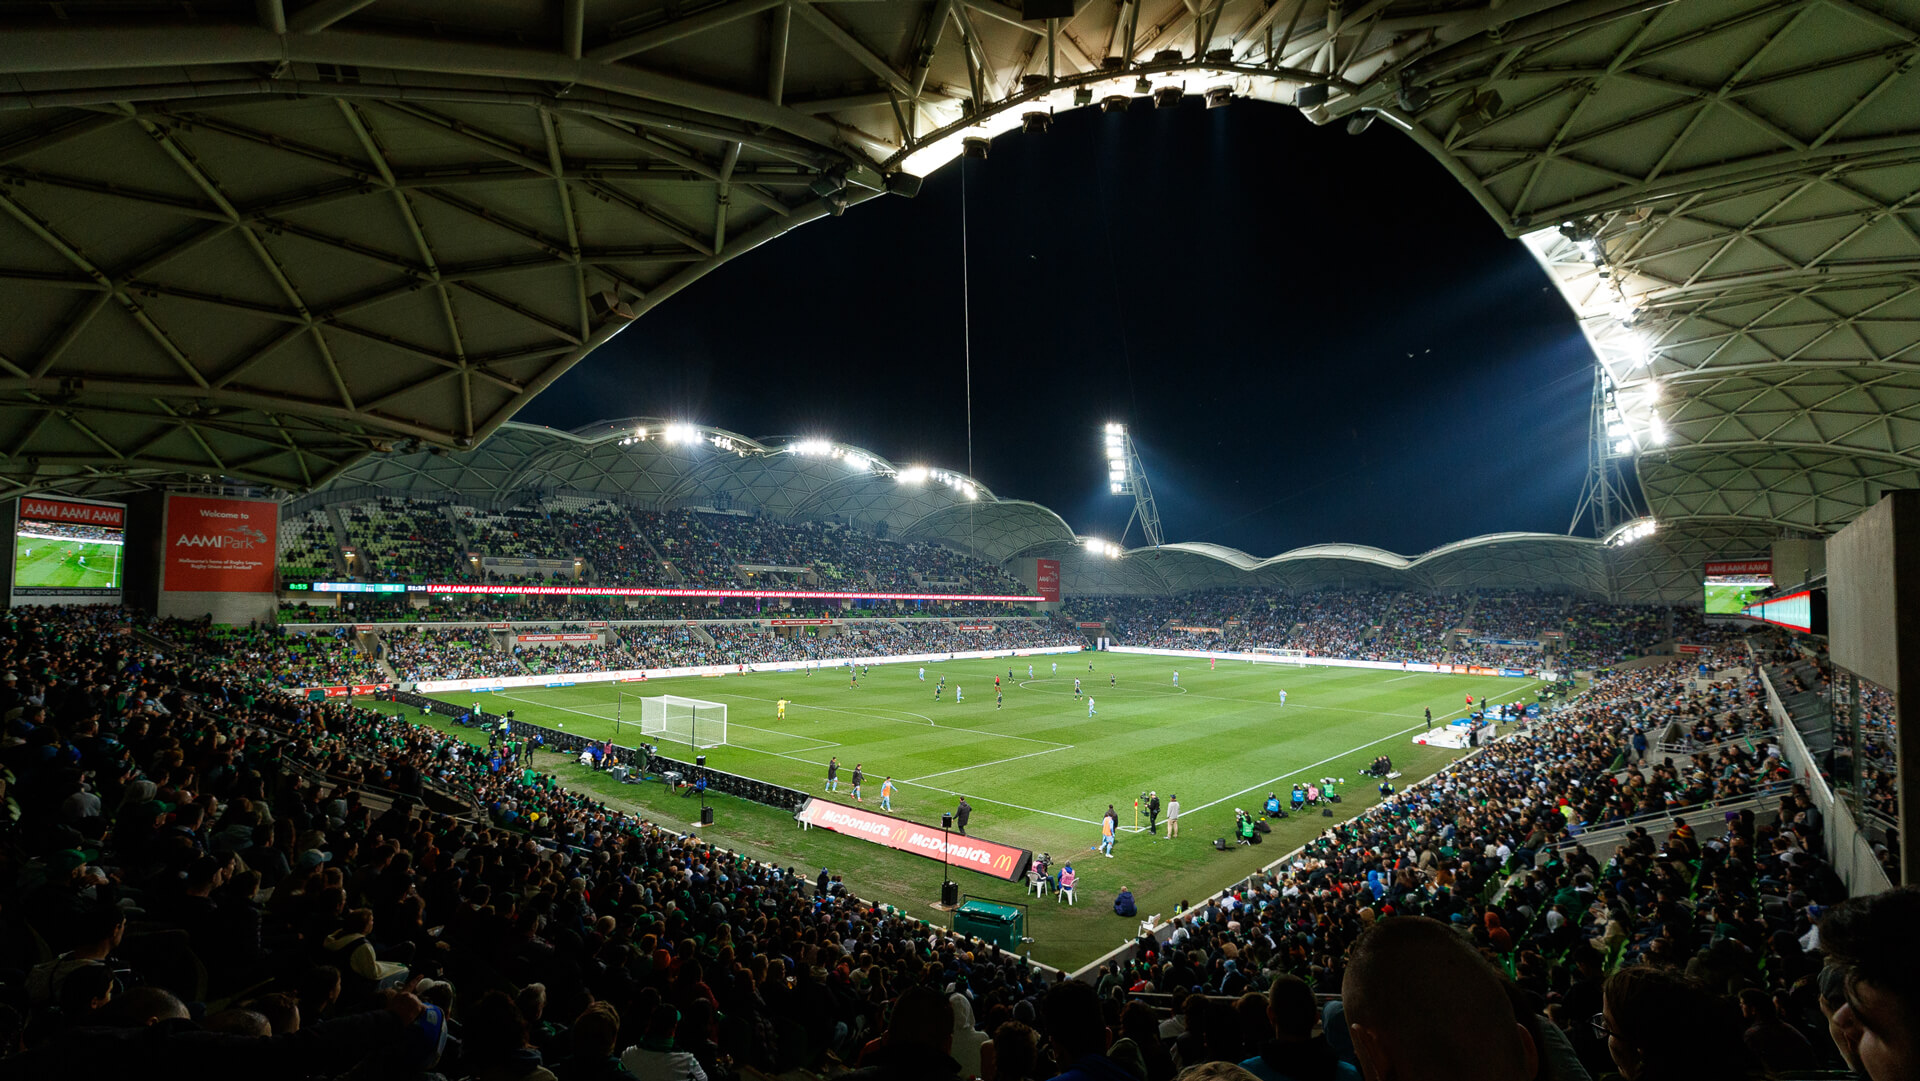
[(658, 464), (262, 239)]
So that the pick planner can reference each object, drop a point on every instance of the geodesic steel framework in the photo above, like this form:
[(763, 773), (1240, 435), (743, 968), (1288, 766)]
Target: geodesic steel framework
[(266, 240)]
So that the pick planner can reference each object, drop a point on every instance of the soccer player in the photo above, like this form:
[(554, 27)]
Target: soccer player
[(858, 776), (998, 698), (853, 681), (1106, 834), (1283, 698), (1090, 710), (886, 794), (1076, 687), (936, 691), (833, 773), (1056, 668), (996, 681), (1029, 671), (1429, 718), (923, 673), (958, 694), (1176, 677), (1111, 678), (780, 710)]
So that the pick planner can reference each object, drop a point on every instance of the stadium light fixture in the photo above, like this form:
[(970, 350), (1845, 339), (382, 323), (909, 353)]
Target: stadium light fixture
[(676, 434), (1657, 432), (1100, 547), (812, 448), (913, 474), (1629, 532), (1623, 446)]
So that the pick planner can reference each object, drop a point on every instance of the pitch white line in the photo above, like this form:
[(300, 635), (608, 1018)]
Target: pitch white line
[(1333, 758), (995, 762), (791, 705), (822, 743), (1409, 675)]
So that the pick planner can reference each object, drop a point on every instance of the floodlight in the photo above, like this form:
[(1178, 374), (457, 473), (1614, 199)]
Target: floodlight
[(1035, 123), (1622, 447), (1083, 95), (856, 461), (1616, 429), (1218, 96), (973, 146), (1117, 103), (1657, 432), (1142, 87), (1116, 487), (912, 474), (1116, 428), (680, 433)]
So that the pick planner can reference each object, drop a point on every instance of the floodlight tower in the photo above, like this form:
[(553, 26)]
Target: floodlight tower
[(1126, 476), (1604, 498)]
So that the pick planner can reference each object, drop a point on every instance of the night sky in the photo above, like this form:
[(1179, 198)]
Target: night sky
[(1314, 336)]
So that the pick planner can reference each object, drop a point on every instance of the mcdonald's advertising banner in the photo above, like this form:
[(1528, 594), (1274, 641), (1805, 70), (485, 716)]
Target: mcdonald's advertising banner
[(986, 857), (219, 545)]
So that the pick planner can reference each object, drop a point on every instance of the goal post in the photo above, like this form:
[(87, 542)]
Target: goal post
[(670, 718)]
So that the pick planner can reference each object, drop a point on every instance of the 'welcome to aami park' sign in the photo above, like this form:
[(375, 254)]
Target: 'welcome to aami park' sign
[(986, 857)]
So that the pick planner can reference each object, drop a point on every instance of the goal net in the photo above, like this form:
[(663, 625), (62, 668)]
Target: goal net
[(692, 721)]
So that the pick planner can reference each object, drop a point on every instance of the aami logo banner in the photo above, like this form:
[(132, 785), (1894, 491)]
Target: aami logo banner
[(1047, 579), (217, 545), (986, 857), (1724, 567), (60, 510)]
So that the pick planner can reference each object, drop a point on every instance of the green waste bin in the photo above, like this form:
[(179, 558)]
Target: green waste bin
[(1003, 925)]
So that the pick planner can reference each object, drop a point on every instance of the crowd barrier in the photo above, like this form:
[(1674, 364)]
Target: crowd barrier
[(639, 761)]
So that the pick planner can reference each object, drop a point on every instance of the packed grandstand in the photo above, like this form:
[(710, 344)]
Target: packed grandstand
[(199, 834), (219, 835)]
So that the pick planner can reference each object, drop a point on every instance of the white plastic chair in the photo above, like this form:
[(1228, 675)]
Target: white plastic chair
[(1065, 893)]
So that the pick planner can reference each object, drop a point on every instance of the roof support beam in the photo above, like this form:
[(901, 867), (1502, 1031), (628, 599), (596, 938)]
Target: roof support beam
[(852, 46), (677, 29), (97, 50), (321, 14)]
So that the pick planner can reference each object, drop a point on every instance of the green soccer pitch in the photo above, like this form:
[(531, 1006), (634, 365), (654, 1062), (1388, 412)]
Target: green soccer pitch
[(40, 563), (1038, 771)]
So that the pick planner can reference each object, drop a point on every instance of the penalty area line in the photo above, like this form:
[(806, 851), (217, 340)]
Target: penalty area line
[(1336, 758), (995, 762)]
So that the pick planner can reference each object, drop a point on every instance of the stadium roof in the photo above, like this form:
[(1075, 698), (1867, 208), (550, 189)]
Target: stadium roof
[(655, 463), (265, 239)]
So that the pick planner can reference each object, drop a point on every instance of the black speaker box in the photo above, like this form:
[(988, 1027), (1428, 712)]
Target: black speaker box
[(1220, 844)]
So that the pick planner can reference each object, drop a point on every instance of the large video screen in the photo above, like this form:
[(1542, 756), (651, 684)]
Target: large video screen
[(1730, 596), (1732, 584), (63, 547)]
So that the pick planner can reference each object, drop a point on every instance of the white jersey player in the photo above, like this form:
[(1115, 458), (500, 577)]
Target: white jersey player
[(1090, 709), (1283, 698), (1176, 677), (923, 674)]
